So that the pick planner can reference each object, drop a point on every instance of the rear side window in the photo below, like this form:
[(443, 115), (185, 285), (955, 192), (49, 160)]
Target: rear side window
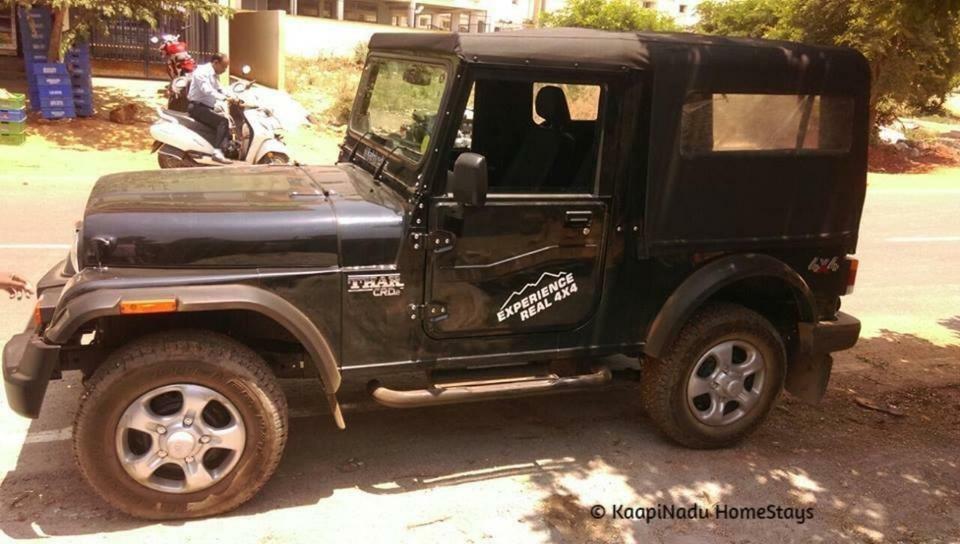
[(766, 122)]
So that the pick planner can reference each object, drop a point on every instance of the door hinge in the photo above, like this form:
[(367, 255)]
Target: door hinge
[(417, 239), (433, 311), (441, 241)]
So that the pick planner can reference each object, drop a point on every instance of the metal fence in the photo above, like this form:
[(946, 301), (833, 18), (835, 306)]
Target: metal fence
[(128, 41)]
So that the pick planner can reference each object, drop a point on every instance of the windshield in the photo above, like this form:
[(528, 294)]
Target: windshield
[(399, 102)]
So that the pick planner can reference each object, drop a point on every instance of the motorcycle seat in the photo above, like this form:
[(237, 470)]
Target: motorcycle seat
[(189, 122)]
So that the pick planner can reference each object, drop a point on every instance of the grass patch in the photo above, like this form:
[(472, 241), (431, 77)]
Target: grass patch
[(325, 86)]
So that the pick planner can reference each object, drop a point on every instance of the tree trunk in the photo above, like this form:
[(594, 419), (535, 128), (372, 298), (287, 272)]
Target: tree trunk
[(56, 35)]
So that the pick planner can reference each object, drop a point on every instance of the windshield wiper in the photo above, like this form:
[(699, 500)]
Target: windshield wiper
[(376, 175), (356, 146)]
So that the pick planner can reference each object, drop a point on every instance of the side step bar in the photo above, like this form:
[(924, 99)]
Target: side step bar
[(472, 392)]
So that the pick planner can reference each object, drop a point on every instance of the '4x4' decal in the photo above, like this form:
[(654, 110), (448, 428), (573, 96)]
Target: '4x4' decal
[(534, 298), (824, 265)]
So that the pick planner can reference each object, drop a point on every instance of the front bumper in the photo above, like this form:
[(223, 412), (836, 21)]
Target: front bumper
[(28, 363)]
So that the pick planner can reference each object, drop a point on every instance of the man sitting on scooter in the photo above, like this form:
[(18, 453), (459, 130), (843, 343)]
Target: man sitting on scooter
[(205, 93)]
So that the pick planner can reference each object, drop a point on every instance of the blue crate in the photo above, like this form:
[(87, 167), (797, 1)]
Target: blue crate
[(79, 69), (82, 91), (53, 91), (15, 116), (79, 51), (36, 46), (85, 111), (77, 60), (52, 81), (50, 68), (80, 76), (30, 59), (31, 38), (58, 113), (40, 13), (34, 28), (56, 102)]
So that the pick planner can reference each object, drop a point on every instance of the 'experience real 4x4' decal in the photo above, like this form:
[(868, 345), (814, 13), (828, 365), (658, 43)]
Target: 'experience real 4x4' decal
[(534, 298)]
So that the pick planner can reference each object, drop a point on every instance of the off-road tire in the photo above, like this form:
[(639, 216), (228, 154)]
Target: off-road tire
[(196, 357), (663, 381)]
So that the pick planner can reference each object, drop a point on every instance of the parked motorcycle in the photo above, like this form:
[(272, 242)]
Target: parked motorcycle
[(182, 141), (180, 66)]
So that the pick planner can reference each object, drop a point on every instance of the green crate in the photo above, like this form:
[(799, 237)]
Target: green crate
[(12, 139), (13, 102), (12, 127)]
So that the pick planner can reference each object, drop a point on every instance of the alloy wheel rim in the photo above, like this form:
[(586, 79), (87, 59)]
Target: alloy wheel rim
[(727, 383), (180, 438)]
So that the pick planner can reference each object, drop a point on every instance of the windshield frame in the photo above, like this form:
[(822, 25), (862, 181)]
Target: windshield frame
[(377, 144)]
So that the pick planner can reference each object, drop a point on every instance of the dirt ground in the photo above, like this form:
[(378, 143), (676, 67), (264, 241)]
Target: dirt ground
[(877, 461), (530, 470)]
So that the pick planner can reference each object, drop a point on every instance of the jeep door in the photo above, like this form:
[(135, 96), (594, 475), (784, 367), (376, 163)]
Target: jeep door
[(530, 259)]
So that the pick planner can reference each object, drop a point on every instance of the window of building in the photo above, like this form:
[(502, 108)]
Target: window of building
[(279, 5), (766, 122), (683, 8)]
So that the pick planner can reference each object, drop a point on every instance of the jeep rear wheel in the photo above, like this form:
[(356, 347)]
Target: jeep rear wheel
[(718, 380), (180, 425)]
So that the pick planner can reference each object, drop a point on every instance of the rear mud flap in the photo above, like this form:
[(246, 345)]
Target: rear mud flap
[(808, 375)]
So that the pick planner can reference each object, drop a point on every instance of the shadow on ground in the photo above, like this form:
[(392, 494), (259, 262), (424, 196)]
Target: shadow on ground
[(868, 475), (100, 133)]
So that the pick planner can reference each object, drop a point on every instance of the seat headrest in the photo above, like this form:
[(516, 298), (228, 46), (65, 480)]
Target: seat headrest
[(551, 104)]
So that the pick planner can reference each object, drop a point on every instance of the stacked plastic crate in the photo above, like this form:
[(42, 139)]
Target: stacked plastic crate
[(13, 117), (78, 65), (51, 92)]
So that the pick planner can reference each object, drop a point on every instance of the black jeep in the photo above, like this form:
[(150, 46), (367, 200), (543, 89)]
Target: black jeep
[(509, 212)]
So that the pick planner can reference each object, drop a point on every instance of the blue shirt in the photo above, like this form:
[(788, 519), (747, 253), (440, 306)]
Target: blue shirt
[(205, 87)]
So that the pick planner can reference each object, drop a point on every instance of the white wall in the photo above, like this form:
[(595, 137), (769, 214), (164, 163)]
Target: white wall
[(314, 36)]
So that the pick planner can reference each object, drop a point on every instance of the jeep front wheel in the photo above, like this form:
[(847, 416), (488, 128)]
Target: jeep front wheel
[(180, 425), (718, 380)]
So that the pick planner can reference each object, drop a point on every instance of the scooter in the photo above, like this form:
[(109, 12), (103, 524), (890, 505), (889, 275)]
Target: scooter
[(182, 141), (180, 66)]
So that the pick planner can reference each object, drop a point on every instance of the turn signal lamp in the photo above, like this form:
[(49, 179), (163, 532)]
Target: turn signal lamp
[(157, 306), (37, 317), (851, 274)]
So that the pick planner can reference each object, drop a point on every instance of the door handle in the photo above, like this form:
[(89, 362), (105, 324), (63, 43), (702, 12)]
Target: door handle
[(578, 218)]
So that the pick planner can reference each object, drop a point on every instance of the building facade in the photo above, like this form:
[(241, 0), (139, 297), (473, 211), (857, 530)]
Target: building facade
[(447, 15)]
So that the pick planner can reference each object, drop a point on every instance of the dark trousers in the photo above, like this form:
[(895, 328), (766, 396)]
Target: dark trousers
[(212, 119)]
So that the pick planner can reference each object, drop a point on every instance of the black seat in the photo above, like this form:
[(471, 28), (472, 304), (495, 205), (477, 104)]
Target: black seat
[(184, 119), (545, 156)]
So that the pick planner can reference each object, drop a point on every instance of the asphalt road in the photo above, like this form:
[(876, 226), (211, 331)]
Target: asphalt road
[(529, 470)]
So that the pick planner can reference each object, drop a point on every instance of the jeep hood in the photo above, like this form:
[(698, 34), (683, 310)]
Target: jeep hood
[(262, 217)]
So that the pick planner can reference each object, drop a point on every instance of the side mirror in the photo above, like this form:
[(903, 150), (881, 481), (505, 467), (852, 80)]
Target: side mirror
[(469, 180)]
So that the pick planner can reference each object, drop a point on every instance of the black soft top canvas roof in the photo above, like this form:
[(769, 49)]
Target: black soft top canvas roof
[(618, 50), (742, 199)]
